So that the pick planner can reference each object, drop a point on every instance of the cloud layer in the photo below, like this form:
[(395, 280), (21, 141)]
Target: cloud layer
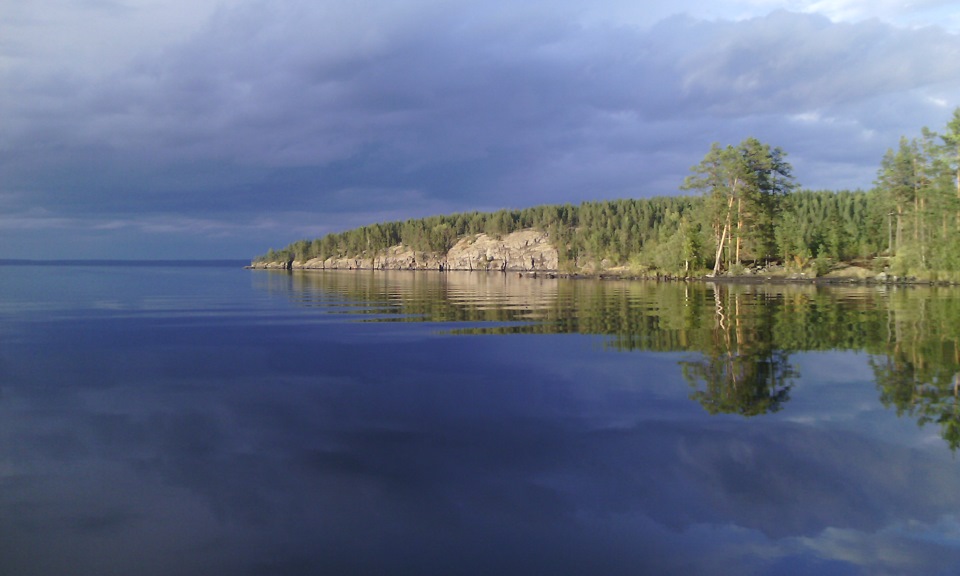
[(322, 117)]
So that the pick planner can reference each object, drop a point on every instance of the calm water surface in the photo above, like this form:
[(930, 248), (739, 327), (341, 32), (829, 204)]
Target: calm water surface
[(214, 420)]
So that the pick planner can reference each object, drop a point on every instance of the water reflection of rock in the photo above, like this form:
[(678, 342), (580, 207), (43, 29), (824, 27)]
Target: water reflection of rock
[(424, 296)]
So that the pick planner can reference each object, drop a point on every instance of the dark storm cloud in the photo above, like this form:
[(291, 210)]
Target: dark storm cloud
[(340, 108)]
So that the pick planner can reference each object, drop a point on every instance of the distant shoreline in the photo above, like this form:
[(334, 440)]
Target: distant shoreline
[(206, 263)]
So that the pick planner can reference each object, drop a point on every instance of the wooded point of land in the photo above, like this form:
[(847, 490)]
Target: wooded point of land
[(747, 210)]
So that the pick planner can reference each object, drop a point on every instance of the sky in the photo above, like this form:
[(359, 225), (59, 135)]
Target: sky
[(214, 129)]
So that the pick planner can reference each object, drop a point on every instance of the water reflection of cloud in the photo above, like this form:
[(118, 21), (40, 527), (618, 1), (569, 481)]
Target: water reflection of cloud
[(894, 549), (838, 390), (336, 448), (833, 367)]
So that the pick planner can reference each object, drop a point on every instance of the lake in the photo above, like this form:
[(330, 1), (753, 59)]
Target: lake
[(206, 419)]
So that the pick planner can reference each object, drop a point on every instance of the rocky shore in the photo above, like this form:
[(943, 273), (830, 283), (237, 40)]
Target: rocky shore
[(530, 251), (524, 251)]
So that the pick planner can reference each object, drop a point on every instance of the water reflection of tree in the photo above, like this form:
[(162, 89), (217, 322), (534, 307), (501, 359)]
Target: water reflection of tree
[(743, 336), (918, 372), (742, 372)]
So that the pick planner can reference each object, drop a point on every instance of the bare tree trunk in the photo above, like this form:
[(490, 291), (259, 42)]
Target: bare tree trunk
[(923, 234), (739, 228), (916, 211), (727, 226), (716, 262)]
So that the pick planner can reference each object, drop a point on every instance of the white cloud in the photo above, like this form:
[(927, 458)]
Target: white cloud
[(942, 13)]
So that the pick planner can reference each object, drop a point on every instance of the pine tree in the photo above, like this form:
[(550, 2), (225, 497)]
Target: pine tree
[(743, 187)]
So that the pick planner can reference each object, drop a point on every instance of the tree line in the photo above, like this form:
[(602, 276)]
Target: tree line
[(745, 208)]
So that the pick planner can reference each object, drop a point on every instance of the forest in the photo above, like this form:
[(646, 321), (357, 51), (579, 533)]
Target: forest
[(742, 208)]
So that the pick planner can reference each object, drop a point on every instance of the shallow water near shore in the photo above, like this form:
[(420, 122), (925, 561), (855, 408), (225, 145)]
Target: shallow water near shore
[(213, 420)]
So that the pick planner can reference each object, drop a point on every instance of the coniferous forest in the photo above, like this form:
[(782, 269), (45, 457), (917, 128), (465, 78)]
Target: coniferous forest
[(742, 208)]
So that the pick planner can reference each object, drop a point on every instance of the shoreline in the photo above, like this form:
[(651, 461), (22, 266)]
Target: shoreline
[(746, 279)]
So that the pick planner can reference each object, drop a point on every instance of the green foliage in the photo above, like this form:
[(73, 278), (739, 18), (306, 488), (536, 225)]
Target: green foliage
[(748, 212), (743, 187), (822, 264), (668, 234), (841, 225), (919, 185), (615, 230)]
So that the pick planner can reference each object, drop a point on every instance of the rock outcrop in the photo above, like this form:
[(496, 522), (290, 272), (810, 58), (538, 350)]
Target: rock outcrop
[(520, 251), (527, 250)]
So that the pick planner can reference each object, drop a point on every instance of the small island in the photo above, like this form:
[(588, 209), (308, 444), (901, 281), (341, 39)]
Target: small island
[(743, 216)]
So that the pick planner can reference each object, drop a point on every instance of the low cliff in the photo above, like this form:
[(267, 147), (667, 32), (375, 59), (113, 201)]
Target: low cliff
[(526, 250)]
